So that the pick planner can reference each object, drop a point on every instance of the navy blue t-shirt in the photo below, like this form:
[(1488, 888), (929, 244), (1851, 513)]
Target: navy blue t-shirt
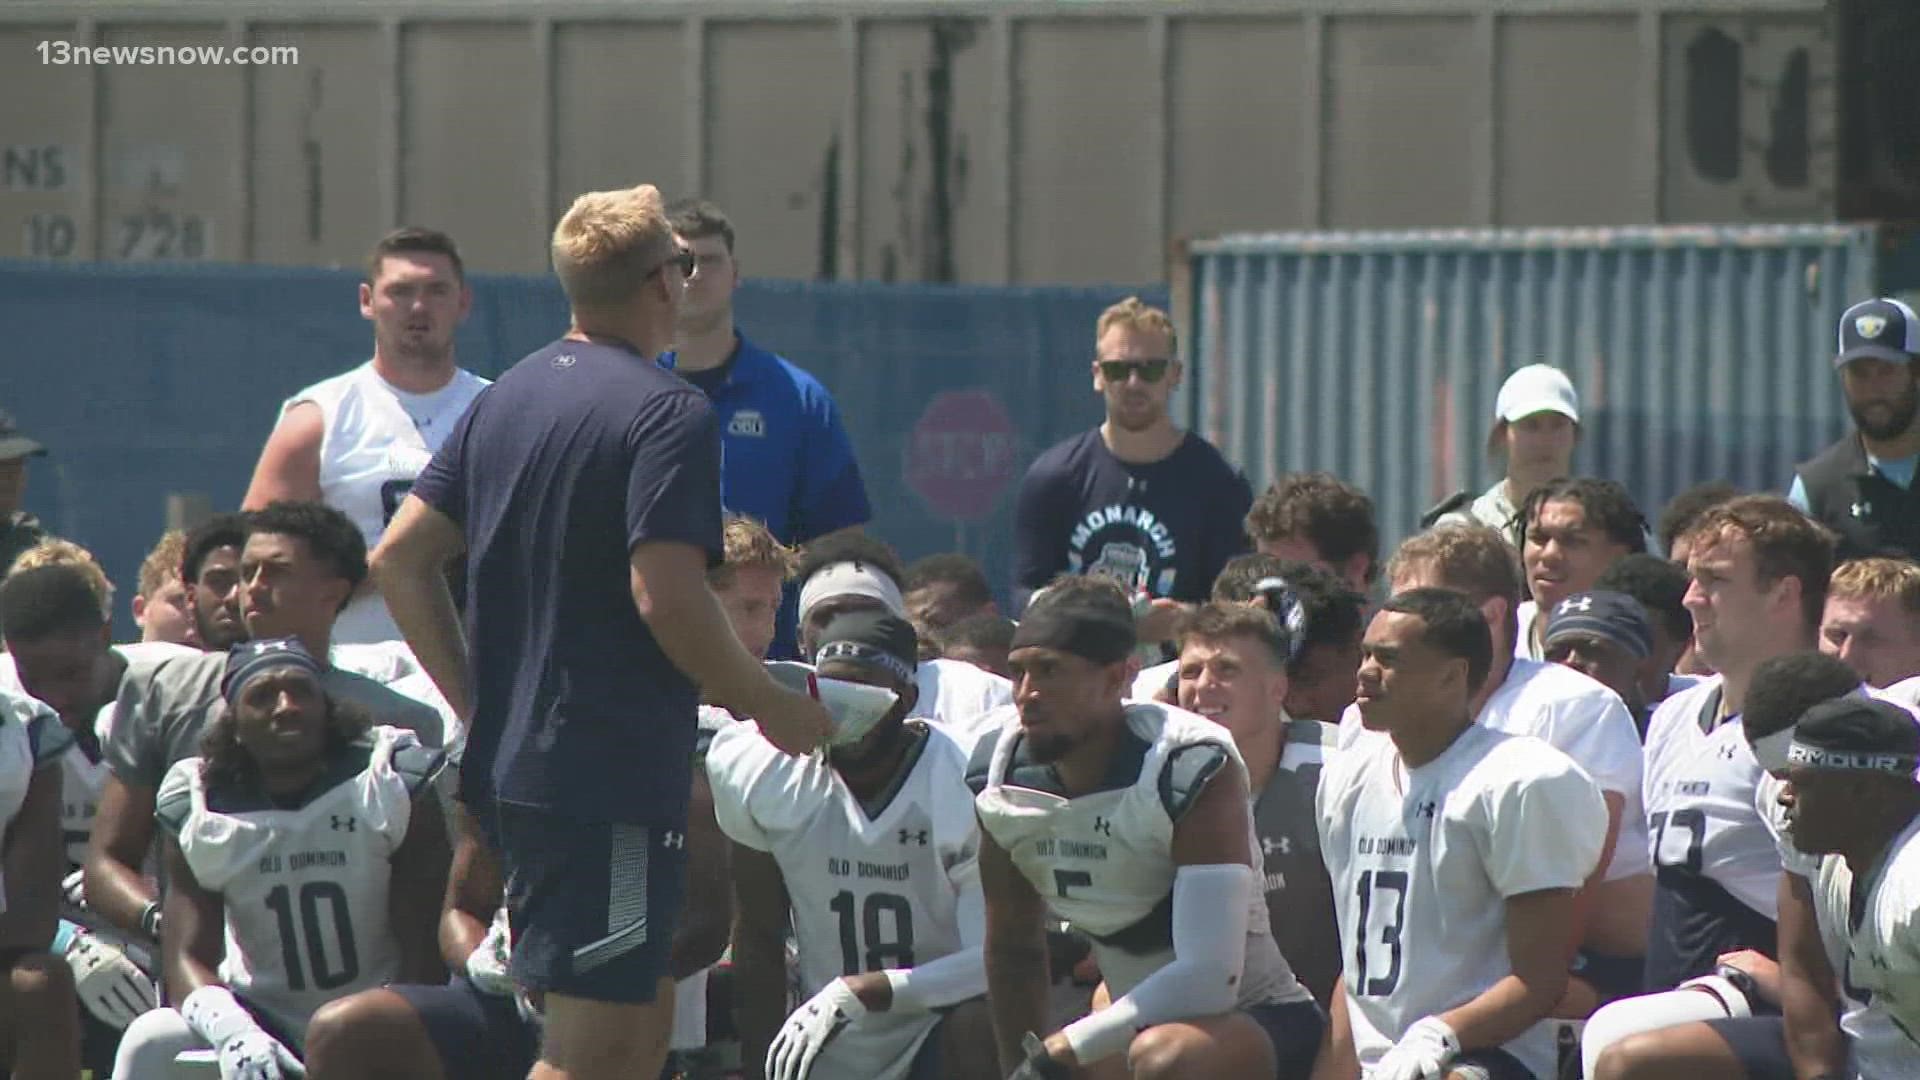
[(1167, 526), (575, 456)]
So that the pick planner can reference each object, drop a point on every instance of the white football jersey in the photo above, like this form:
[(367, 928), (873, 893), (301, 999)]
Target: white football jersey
[(1717, 862), (1104, 860), (31, 738), (1878, 956), (959, 696), (872, 888), (1423, 861), (1578, 717), (374, 443), (1153, 681), (304, 890)]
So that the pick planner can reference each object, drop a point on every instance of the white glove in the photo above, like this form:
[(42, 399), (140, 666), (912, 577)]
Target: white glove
[(1423, 1053), (111, 986), (246, 1051), (811, 1027), (488, 965), (256, 1055), (74, 888)]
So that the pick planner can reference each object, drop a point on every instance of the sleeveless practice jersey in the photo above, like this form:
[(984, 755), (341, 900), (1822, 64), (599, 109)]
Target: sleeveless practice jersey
[(304, 890), (375, 441), (1423, 861), (1299, 896), (1875, 922), (1717, 865), (1104, 860)]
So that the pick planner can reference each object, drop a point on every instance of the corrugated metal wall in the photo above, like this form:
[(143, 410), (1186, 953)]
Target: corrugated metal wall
[(983, 141), (1699, 354)]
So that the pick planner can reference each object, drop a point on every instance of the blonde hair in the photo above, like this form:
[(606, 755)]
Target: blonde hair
[(163, 563), (68, 553), (747, 543), (608, 243), (1878, 579), (1139, 317), (1470, 559)]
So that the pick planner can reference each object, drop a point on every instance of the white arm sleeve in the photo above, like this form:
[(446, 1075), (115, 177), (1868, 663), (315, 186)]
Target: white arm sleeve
[(1211, 906), (952, 978)]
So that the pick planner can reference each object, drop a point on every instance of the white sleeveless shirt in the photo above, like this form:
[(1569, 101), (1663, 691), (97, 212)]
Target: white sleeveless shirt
[(375, 440)]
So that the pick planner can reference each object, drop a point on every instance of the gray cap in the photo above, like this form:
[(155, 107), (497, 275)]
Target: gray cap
[(14, 442)]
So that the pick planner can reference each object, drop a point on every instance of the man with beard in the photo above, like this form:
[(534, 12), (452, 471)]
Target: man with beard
[(357, 440), (210, 568), (787, 460), (1136, 499), (1861, 486)]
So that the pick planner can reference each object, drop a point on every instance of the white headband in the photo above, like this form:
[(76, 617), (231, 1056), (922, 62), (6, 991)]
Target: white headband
[(850, 579)]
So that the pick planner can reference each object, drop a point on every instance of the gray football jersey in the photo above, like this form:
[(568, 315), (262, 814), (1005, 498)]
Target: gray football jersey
[(1299, 893), (164, 706)]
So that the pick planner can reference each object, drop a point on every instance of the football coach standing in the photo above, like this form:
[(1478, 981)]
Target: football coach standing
[(583, 490)]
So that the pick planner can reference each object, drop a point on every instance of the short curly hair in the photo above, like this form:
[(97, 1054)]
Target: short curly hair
[(1322, 509), (330, 535)]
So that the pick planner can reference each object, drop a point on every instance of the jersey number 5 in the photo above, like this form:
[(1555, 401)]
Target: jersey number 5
[(1372, 884), (883, 951), (325, 976)]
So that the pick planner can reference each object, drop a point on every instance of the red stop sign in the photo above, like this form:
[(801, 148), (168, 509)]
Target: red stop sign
[(961, 454)]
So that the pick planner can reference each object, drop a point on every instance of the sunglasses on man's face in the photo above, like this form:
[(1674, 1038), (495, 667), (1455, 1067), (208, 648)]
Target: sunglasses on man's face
[(1119, 371)]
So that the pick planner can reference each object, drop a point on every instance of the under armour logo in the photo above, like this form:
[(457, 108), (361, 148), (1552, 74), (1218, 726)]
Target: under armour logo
[(673, 839), (908, 836), (1861, 509), (1103, 826), (1427, 809), (1582, 603), (563, 361), (1281, 844), (1727, 752), (343, 824)]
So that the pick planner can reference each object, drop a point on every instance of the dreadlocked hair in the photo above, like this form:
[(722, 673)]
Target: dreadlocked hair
[(225, 763)]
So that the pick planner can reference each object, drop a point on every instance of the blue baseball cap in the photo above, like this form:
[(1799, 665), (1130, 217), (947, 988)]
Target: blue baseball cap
[(1879, 330), (1611, 616), (252, 658)]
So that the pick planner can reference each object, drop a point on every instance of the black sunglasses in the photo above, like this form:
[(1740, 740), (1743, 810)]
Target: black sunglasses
[(1119, 371)]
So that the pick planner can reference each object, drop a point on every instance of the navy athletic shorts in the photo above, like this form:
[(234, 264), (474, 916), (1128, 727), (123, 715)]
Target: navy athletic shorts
[(592, 905), (479, 1036), (1760, 1042)]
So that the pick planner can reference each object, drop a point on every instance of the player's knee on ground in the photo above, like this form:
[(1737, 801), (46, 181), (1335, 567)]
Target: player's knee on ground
[(354, 1035)]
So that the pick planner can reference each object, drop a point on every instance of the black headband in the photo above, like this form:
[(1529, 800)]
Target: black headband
[(1083, 630)]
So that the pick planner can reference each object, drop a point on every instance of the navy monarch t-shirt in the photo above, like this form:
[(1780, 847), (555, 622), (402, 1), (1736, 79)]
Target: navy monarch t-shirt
[(572, 458), (1166, 527)]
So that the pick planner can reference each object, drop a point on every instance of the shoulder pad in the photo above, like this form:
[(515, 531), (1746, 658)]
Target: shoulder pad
[(980, 762), (1187, 771), (417, 764), (1456, 501), (48, 738), (174, 802)]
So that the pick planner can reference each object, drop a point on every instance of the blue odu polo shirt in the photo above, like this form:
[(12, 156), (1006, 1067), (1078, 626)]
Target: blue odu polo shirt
[(785, 458), (576, 455)]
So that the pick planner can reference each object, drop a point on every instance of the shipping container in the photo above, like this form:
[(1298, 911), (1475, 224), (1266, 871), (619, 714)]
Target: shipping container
[(901, 140), (1699, 353)]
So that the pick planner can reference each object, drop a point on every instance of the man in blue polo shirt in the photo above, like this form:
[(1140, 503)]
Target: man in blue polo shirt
[(786, 458), (582, 489)]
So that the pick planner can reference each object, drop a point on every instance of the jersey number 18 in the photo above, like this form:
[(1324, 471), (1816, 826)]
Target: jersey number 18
[(883, 950)]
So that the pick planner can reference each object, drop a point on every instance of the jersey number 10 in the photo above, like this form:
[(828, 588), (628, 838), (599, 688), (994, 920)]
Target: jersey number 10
[(325, 976), (883, 951)]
